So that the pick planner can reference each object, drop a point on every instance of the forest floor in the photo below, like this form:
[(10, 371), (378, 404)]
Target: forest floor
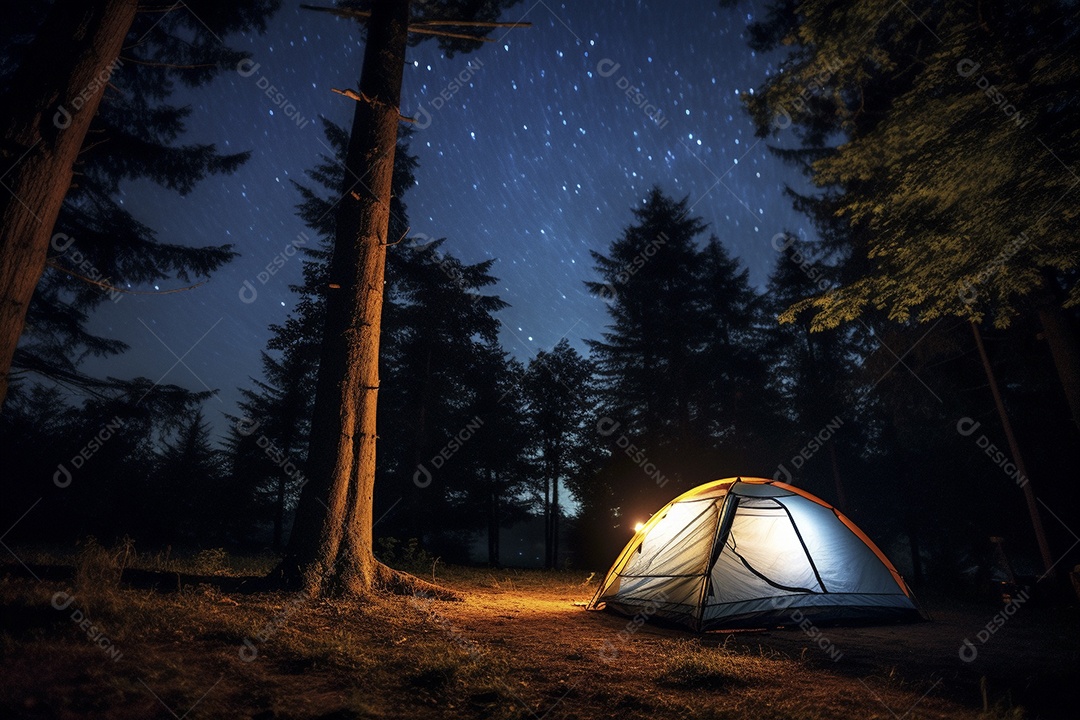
[(520, 645)]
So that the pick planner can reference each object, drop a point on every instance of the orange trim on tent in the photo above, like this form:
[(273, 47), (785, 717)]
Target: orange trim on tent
[(712, 486), (853, 528)]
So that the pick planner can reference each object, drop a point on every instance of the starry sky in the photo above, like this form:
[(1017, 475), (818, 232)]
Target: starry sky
[(536, 158)]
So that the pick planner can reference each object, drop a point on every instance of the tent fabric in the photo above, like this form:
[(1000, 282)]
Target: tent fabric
[(751, 552)]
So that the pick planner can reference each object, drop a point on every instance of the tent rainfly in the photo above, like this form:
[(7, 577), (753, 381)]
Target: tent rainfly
[(750, 552)]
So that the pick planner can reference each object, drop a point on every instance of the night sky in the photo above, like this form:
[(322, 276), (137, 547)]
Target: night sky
[(536, 160)]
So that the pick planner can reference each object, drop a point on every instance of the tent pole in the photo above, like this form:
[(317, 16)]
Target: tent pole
[(1014, 448)]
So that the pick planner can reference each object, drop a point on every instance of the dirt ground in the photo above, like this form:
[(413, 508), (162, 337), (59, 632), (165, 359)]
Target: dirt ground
[(520, 645)]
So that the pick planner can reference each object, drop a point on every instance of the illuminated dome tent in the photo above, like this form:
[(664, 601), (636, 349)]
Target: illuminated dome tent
[(750, 552)]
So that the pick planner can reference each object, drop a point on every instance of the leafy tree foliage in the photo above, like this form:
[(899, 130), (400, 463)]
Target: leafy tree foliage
[(944, 141), (942, 138)]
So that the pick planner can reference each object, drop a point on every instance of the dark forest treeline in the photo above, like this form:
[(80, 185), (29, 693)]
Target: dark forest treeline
[(870, 393), (694, 380)]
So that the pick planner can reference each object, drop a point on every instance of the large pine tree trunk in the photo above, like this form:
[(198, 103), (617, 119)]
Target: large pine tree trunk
[(54, 95), (330, 549)]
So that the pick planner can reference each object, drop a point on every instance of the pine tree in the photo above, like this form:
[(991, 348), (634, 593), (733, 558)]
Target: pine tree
[(683, 372), (438, 335), (267, 444), (59, 122), (497, 472), (646, 359), (436, 363), (330, 549), (739, 407), (188, 487), (815, 373), (560, 392)]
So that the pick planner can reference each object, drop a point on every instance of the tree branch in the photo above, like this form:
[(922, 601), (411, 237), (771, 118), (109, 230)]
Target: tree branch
[(113, 288), (358, 97), (165, 65), (423, 27), (440, 33)]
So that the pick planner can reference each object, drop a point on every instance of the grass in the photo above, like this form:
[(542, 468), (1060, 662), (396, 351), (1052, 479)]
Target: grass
[(123, 555), (517, 647), (688, 664)]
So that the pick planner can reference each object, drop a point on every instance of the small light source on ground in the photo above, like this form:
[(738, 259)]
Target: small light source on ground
[(637, 528)]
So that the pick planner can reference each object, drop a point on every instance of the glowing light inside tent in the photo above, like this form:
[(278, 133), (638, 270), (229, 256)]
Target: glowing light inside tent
[(637, 528)]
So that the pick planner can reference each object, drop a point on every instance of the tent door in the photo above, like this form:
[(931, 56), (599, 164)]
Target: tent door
[(723, 529)]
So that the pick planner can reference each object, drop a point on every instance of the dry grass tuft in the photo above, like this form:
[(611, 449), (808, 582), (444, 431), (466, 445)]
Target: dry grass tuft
[(686, 664)]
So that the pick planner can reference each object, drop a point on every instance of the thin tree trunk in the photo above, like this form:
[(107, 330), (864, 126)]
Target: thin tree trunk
[(1061, 337), (54, 96), (493, 519), (287, 441), (841, 497), (415, 522), (547, 512), (279, 512), (555, 520), (330, 550), (1014, 448), (916, 551)]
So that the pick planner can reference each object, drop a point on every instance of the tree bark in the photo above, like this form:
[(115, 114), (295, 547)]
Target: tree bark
[(330, 549), (55, 94)]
